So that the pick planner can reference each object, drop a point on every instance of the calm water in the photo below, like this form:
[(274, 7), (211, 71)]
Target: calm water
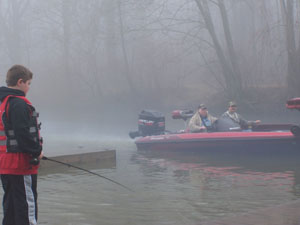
[(170, 188)]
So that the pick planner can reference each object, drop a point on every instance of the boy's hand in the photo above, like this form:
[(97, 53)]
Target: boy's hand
[(41, 156)]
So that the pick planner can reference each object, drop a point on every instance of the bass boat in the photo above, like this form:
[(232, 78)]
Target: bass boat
[(151, 134)]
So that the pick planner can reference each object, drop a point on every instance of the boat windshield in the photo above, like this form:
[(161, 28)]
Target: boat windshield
[(226, 124)]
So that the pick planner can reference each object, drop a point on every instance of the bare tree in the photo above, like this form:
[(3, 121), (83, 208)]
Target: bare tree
[(127, 71), (66, 14), (229, 64), (293, 52), (13, 24)]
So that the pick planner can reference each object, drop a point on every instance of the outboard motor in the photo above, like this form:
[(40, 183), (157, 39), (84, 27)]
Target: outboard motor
[(150, 123)]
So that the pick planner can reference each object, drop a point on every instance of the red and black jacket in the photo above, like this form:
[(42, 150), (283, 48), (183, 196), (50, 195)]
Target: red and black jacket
[(19, 134)]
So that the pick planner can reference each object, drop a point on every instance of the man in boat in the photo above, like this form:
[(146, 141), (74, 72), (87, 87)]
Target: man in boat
[(236, 118), (202, 121)]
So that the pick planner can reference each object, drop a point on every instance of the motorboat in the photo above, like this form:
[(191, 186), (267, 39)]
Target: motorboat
[(151, 134), (179, 141)]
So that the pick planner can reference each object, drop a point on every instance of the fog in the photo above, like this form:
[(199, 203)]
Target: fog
[(97, 63)]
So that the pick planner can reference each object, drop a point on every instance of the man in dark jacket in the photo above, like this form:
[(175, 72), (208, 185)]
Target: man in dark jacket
[(237, 118), (20, 143)]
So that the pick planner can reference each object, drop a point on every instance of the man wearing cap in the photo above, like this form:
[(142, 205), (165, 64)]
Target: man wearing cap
[(202, 121), (237, 118)]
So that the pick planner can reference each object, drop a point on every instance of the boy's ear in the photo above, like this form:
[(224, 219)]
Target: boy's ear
[(20, 81)]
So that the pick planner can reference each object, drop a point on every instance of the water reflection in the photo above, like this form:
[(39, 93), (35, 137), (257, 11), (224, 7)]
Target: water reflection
[(170, 188), (230, 183)]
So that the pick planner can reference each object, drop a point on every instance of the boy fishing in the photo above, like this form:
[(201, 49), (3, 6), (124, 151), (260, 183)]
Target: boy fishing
[(20, 144)]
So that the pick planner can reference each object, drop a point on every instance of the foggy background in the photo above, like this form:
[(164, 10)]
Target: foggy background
[(98, 63)]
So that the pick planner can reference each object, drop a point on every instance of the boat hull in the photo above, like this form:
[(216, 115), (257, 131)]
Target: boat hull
[(220, 140)]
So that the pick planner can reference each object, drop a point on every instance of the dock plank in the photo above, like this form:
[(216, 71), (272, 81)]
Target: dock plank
[(101, 159)]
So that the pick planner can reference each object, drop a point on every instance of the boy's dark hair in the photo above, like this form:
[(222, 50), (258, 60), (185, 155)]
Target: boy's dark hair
[(17, 72)]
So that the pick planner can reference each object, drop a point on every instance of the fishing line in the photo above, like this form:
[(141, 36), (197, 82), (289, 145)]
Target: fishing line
[(88, 171)]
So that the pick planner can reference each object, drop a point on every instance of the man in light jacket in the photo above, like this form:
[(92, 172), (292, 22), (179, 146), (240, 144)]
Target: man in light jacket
[(202, 121)]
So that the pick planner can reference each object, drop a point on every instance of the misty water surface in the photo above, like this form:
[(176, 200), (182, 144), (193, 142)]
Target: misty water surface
[(170, 188)]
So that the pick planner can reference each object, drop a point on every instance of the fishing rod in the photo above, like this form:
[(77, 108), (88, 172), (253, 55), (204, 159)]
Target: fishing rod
[(88, 171)]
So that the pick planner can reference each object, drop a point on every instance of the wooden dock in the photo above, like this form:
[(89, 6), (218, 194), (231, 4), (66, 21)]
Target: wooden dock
[(90, 160)]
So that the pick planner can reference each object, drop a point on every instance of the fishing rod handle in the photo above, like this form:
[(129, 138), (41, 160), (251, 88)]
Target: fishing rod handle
[(34, 161)]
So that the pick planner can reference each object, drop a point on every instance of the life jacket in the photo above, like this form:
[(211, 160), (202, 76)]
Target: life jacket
[(12, 159), (206, 122)]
